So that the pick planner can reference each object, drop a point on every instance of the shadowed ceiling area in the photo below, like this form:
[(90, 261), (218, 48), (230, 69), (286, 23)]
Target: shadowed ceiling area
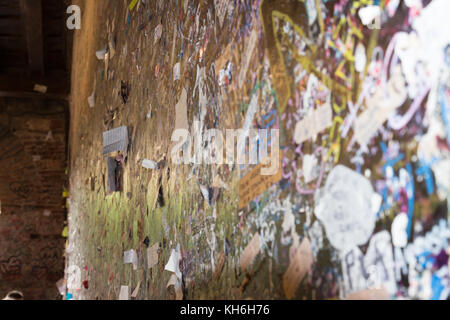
[(34, 48)]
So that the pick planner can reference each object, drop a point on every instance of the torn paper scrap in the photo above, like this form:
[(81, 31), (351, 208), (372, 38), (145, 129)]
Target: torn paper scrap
[(370, 294), (312, 11), (250, 252), (360, 57), (40, 88), (205, 192), (149, 164), (130, 256), (309, 166), (91, 100), (115, 140), (172, 280), (124, 293), (399, 230), (111, 46), (173, 265), (152, 255), (315, 122), (176, 71), (61, 285), (176, 283), (101, 54), (136, 290), (369, 13), (158, 32), (181, 119), (298, 268)]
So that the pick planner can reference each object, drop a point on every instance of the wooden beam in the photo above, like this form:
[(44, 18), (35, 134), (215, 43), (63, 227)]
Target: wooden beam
[(32, 19)]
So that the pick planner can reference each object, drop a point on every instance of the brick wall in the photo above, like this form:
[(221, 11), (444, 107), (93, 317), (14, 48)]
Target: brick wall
[(32, 178)]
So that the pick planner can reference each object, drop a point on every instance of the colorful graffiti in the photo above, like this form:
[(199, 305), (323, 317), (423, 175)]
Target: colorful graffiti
[(381, 86), (360, 94)]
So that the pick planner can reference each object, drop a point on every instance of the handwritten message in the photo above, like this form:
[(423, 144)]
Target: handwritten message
[(254, 184)]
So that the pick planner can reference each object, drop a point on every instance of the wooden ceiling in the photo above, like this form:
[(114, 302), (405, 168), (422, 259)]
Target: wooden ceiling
[(34, 48)]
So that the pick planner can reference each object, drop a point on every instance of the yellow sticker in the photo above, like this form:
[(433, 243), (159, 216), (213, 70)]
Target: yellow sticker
[(65, 232), (133, 4)]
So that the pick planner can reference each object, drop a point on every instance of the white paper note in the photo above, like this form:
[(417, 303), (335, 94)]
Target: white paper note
[(176, 72), (149, 164), (124, 293), (130, 256), (173, 263), (315, 122), (152, 255), (345, 208), (115, 140), (136, 290)]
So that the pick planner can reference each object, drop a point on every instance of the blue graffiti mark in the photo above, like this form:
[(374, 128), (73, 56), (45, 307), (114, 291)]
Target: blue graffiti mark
[(409, 185), (437, 287), (410, 192), (425, 171), (385, 205), (393, 162), (358, 167), (425, 258), (445, 109)]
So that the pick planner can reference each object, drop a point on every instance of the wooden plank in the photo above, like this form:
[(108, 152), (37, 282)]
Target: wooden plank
[(32, 19), (9, 13), (10, 37), (57, 86), (13, 58), (22, 94), (8, 45), (17, 71), (11, 26)]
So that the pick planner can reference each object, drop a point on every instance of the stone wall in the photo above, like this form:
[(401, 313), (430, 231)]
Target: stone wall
[(32, 175)]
